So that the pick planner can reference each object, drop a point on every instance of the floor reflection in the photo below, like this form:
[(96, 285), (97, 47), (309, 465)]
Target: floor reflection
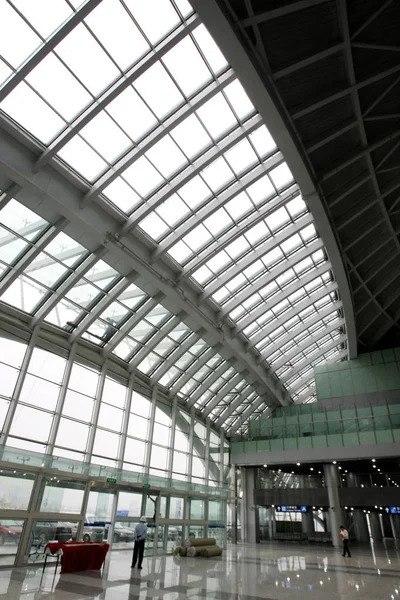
[(244, 572)]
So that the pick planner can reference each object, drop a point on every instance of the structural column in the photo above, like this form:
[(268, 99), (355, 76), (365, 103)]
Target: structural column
[(375, 525), (336, 518), (360, 526), (249, 512)]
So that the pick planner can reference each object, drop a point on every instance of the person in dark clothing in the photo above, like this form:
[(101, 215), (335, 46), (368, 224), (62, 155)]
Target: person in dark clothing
[(344, 536), (140, 536)]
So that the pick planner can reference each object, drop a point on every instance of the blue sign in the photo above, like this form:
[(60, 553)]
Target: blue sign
[(122, 513), (394, 510), (286, 508)]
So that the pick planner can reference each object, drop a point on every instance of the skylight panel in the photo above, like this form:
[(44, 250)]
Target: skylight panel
[(239, 206), (308, 233), (59, 87), (141, 331), (262, 141), (63, 313), (5, 71), (239, 100), (257, 233), (202, 274), (66, 249), (142, 176), (281, 176), (195, 192), (197, 238), (153, 226), (132, 296), (114, 28), (156, 18), (209, 48), (241, 157), (17, 40), (105, 137), (29, 111), (149, 362), (217, 117), (82, 158), (237, 282), (23, 294), (23, 221), (291, 244), (277, 220), (125, 348), (221, 294), (45, 270), (101, 274), (173, 210), (237, 247), (83, 294), (217, 174), (10, 246), (122, 195), (80, 51), (158, 90), (166, 156), (187, 67), (45, 15), (157, 315), (272, 257), (296, 207), (191, 136), (218, 221), (261, 190), (132, 114), (218, 261), (180, 252)]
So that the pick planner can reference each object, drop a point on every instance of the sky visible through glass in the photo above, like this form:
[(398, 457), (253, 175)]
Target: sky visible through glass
[(149, 115)]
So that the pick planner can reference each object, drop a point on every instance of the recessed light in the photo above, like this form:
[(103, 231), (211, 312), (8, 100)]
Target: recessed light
[(373, 460), (340, 468), (298, 464), (265, 466), (311, 468), (334, 462)]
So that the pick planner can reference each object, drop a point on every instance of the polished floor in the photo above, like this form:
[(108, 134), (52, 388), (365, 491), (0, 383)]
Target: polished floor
[(244, 572)]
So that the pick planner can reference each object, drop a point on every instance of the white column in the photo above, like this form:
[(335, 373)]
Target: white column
[(336, 517), (249, 512)]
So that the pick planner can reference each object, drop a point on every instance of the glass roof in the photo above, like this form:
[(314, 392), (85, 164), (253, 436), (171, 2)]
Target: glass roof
[(149, 115)]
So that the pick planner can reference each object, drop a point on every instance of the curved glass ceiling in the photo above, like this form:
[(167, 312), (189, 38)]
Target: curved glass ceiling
[(137, 102)]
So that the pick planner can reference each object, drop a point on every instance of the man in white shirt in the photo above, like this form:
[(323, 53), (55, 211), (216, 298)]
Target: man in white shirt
[(140, 536), (344, 536)]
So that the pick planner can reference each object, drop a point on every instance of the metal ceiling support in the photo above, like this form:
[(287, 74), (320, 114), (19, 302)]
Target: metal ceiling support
[(222, 393), (230, 409), (362, 153), (306, 62), (281, 12), (177, 353), (48, 47), (190, 171), (211, 378), (224, 239), (317, 144), (335, 343), (34, 251), (285, 293), (155, 340), (225, 37), (246, 414), (138, 150), (102, 305), (115, 89), (371, 18), (131, 322), (8, 194), (264, 247), (379, 333), (349, 190), (381, 96), (333, 307), (193, 369), (357, 109), (192, 221), (378, 47), (345, 92), (387, 155), (68, 284), (303, 347), (271, 276)]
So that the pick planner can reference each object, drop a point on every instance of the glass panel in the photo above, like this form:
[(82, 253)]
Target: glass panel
[(61, 496), (46, 531), (176, 505), (129, 504), (10, 537), (15, 490), (196, 509), (174, 538), (124, 534)]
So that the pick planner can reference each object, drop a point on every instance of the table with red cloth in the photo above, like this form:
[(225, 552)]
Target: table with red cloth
[(78, 556)]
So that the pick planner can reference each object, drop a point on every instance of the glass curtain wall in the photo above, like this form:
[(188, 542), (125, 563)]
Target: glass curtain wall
[(66, 407)]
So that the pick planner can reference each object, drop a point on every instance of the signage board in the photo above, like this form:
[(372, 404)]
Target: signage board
[(111, 480), (288, 508), (146, 486), (394, 510)]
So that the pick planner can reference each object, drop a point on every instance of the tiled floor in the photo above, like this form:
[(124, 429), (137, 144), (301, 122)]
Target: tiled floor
[(245, 572)]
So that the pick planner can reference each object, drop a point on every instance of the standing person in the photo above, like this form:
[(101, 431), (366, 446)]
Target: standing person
[(140, 536), (344, 536)]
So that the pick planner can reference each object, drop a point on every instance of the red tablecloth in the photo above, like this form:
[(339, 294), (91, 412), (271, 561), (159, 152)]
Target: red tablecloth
[(79, 556)]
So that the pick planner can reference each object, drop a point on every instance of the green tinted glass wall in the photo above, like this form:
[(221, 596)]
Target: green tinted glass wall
[(369, 373)]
